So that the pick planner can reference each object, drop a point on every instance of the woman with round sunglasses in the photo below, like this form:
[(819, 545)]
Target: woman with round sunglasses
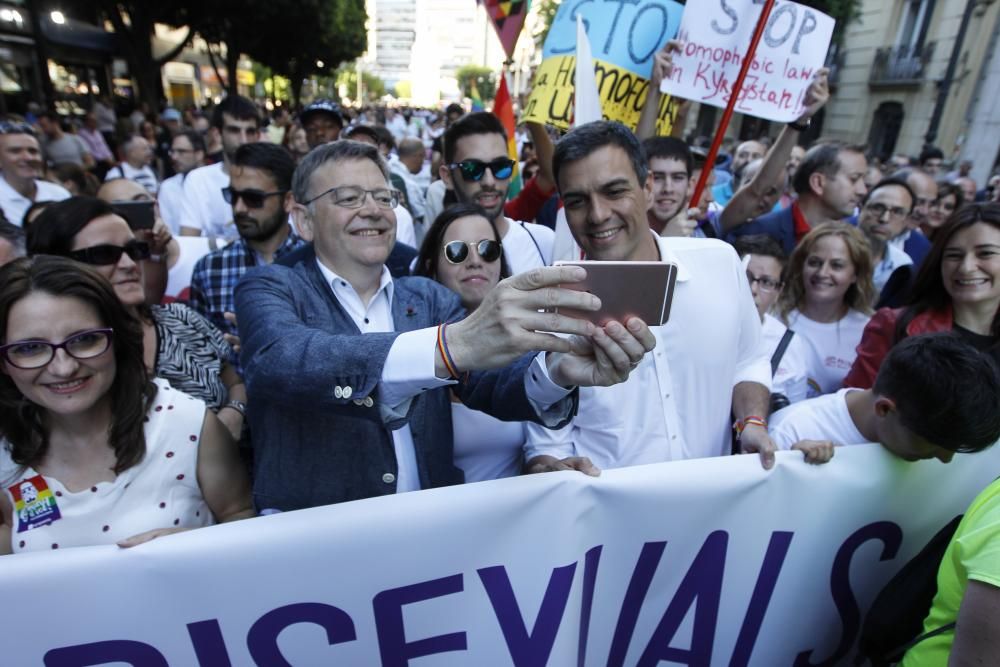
[(179, 345), (957, 289), (462, 251), (92, 450)]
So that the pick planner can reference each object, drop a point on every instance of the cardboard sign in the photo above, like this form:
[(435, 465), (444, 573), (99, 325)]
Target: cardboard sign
[(623, 39), (716, 36)]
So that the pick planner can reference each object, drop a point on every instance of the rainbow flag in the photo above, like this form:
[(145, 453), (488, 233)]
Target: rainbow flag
[(477, 100), (503, 108)]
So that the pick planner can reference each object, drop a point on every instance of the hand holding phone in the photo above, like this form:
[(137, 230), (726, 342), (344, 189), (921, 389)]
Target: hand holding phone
[(626, 289)]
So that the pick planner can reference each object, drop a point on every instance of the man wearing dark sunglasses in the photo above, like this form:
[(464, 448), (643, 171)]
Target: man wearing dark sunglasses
[(21, 167), (478, 170), (349, 369), (260, 195)]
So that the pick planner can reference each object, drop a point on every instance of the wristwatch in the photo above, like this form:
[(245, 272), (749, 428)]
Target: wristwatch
[(239, 406), (801, 127)]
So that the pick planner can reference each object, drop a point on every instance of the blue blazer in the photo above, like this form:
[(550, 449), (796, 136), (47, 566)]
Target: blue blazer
[(779, 225), (313, 446)]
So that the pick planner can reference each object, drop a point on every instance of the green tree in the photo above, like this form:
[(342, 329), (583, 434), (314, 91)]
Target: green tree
[(347, 76), (403, 89), (484, 78)]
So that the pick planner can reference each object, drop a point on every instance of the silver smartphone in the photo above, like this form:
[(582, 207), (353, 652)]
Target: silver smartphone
[(626, 289)]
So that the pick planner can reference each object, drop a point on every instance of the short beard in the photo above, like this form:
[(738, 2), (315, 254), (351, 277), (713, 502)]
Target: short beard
[(265, 230)]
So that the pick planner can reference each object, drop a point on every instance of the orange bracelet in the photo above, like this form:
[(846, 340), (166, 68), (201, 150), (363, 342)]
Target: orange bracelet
[(752, 419)]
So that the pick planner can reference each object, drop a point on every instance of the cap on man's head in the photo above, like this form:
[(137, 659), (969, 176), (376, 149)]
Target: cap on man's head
[(323, 106), (170, 114), (699, 156)]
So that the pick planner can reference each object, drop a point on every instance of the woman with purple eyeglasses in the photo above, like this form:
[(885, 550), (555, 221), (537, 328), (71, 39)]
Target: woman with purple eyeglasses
[(92, 449), (179, 345)]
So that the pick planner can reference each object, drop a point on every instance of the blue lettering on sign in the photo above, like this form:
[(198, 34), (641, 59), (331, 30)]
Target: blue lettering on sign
[(625, 33)]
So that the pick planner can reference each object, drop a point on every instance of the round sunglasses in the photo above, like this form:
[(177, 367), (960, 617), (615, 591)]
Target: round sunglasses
[(457, 252), (473, 170), (104, 254)]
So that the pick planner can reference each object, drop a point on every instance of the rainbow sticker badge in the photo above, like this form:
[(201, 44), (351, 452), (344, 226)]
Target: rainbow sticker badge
[(34, 504)]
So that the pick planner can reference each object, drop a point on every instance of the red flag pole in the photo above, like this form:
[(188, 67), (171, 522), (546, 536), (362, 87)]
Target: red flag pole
[(727, 116)]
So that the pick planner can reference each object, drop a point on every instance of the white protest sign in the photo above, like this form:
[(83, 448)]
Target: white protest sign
[(710, 562), (716, 35)]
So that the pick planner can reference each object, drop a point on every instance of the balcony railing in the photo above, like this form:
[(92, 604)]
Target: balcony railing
[(901, 65)]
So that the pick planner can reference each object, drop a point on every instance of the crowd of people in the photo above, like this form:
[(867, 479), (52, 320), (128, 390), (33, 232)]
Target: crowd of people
[(205, 317)]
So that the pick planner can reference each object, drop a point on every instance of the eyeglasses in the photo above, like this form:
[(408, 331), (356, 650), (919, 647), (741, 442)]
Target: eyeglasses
[(252, 198), (473, 170), (878, 210), (457, 252), (105, 254), (350, 196), (29, 354), (7, 127), (766, 284)]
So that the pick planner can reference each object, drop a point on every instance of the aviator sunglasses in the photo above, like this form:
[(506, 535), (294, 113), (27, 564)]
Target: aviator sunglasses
[(473, 170), (457, 252), (105, 254), (252, 198)]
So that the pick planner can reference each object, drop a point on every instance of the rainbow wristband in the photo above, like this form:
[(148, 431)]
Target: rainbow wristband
[(442, 345), (751, 420)]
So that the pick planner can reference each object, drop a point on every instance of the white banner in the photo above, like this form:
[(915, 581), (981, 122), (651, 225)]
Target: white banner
[(707, 562), (716, 36)]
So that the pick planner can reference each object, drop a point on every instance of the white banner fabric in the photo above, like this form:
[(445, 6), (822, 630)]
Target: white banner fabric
[(705, 562)]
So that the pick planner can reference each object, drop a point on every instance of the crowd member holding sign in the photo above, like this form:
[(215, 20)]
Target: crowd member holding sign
[(828, 298), (936, 395), (956, 289), (462, 251), (707, 365), (93, 450), (348, 369)]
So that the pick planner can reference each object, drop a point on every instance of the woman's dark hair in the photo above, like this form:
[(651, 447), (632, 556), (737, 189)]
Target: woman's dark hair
[(428, 257), (23, 423), (53, 231), (928, 292)]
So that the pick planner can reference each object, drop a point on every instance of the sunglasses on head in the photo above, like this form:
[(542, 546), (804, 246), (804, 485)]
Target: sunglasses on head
[(473, 170), (105, 254), (252, 198), (8, 127), (457, 252)]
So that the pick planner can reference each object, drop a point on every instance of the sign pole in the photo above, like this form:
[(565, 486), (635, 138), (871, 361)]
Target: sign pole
[(727, 116)]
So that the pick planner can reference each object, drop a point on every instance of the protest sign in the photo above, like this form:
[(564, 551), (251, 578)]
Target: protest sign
[(623, 37), (703, 562), (715, 36)]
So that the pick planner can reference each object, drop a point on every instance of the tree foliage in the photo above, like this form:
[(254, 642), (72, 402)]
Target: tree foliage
[(484, 78), (347, 76)]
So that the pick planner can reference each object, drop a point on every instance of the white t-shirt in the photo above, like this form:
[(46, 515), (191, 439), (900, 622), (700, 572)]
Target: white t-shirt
[(822, 418), (161, 491), (485, 447), (204, 208), (14, 204), (405, 233), (192, 248), (791, 377), (893, 259), (145, 176), (832, 348), (527, 246), (171, 201), (434, 200)]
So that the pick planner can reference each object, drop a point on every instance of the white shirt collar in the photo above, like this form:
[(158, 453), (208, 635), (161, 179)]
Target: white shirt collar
[(332, 279), (668, 256)]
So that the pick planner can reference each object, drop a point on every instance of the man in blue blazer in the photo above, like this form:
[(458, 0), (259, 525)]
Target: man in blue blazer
[(348, 370)]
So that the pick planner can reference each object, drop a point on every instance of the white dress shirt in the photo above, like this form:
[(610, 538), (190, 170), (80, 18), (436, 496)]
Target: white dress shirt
[(409, 369), (677, 403), (14, 204), (171, 201), (892, 259)]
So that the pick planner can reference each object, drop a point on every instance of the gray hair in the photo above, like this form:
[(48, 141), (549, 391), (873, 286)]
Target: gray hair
[(334, 151)]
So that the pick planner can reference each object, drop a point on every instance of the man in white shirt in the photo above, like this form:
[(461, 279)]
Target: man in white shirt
[(135, 166), (884, 211), (20, 168), (205, 211), (187, 152), (348, 369), (478, 169), (935, 395), (407, 163), (707, 364)]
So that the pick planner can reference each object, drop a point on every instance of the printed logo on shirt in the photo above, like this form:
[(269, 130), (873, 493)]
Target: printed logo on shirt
[(34, 504), (838, 363)]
